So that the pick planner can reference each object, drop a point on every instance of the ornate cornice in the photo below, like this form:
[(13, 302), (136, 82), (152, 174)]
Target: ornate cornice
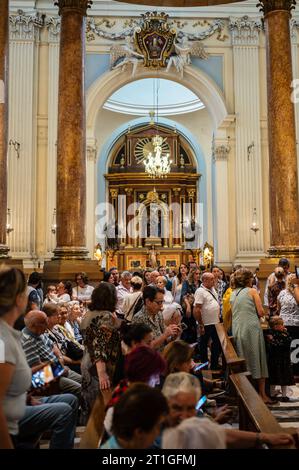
[(79, 5), (268, 6), (24, 26), (53, 25), (245, 30)]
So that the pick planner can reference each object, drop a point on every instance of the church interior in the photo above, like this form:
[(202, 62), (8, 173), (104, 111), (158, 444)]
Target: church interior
[(140, 140)]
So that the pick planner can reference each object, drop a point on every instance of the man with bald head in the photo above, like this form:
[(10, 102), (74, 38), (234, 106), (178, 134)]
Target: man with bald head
[(40, 351), (207, 313)]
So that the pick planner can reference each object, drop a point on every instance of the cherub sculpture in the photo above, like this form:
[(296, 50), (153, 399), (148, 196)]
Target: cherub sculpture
[(122, 55), (183, 52)]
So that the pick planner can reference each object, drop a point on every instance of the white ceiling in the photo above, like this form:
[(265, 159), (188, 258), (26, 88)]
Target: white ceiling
[(141, 96)]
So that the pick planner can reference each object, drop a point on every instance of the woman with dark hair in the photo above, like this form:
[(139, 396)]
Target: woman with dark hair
[(108, 277), (178, 281), (190, 285), (82, 292), (133, 335), (14, 370), (246, 328), (137, 418), (142, 364), (64, 291), (147, 277), (101, 339)]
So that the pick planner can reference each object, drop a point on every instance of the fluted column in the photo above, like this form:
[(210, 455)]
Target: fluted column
[(176, 241), (129, 199), (248, 161), (284, 216), (4, 40), (221, 221), (71, 142)]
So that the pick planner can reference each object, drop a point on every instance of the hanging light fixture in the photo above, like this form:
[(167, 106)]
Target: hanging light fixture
[(254, 225), (156, 164)]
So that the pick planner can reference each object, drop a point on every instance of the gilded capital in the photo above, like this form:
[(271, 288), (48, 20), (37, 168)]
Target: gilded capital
[(129, 191), (79, 5), (176, 191), (113, 193), (268, 6), (191, 193)]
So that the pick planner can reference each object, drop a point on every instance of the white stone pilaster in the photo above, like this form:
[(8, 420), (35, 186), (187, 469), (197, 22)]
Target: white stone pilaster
[(53, 25), (245, 40), (220, 155), (23, 72)]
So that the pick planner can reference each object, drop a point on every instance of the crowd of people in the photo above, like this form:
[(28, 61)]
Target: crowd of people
[(142, 340)]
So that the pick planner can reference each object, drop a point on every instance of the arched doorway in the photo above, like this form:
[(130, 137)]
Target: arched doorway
[(210, 95)]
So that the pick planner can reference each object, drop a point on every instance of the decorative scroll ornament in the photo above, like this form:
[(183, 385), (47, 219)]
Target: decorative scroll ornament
[(154, 39), (95, 29), (266, 6)]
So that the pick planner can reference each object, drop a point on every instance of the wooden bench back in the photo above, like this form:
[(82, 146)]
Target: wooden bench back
[(95, 425), (234, 363)]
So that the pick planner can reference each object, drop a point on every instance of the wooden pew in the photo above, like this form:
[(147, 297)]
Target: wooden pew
[(254, 415), (233, 362), (95, 426)]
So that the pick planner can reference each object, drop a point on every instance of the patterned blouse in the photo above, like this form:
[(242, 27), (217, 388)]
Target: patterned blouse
[(101, 336), (289, 311)]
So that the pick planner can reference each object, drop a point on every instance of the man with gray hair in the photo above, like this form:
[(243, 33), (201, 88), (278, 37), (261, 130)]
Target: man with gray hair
[(207, 313), (40, 350), (187, 431), (122, 290)]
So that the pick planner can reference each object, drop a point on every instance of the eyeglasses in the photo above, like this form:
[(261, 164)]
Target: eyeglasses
[(159, 302)]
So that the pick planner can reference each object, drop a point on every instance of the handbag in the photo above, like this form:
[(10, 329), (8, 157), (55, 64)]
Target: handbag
[(73, 351)]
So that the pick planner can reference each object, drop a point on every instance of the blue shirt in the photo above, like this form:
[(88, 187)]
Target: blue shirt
[(111, 444)]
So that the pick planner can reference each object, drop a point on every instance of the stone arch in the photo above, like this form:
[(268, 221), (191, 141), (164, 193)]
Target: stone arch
[(194, 79)]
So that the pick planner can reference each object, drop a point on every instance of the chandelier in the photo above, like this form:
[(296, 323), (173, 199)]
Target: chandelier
[(156, 164)]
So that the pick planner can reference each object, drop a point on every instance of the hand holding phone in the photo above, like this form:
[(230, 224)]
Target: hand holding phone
[(200, 402), (200, 366)]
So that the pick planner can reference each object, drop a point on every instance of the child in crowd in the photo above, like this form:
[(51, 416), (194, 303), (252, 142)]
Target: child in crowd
[(274, 290), (279, 357)]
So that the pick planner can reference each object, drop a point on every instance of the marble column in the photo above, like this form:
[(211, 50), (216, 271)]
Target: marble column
[(4, 41), (284, 215), (71, 142)]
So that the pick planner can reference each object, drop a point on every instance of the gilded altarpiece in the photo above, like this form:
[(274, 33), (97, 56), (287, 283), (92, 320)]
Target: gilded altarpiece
[(151, 214)]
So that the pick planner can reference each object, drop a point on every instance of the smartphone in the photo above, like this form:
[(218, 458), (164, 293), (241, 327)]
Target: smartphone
[(200, 366), (57, 369), (297, 272), (42, 377), (200, 402)]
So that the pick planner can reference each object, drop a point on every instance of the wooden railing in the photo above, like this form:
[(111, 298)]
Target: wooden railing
[(254, 415)]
